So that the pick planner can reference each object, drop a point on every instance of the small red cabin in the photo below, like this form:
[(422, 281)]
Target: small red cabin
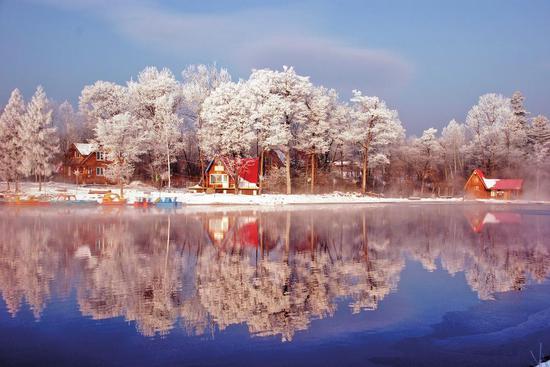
[(480, 187), (84, 165), (225, 174)]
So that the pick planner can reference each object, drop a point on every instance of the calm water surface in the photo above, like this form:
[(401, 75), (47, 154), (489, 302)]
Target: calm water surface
[(389, 285)]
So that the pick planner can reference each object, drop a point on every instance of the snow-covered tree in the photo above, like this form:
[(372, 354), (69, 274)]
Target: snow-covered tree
[(453, 140), (268, 112), (101, 101), (316, 135), (539, 139), (154, 102), (486, 122), (282, 95), (374, 128), (227, 127), (67, 124), (515, 132), (198, 82), (10, 138), (427, 153), (38, 138), (518, 109), (123, 141)]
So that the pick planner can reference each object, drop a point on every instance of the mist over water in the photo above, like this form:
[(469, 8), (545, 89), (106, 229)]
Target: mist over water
[(374, 285)]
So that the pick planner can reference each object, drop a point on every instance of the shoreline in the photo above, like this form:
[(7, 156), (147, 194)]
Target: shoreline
[(186, 198)]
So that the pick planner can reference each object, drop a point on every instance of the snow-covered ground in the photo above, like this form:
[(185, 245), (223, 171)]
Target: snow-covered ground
[(133, 192)]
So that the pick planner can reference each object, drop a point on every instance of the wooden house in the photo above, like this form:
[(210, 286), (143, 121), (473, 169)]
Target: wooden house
[(84, 165), (480, 187), (232, 175)]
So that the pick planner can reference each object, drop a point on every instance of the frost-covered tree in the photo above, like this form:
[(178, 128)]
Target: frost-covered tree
[(486, 122), (198, 82), (518, 109), (268, 112), (427, 152), (515, 132), (539, 141), (10, 138), (282, 95), (453, 140), (123, 141), (38, 138), (316, 135), (227, 128), (374, 128), (154, 103), (101, 101), (67, 123)]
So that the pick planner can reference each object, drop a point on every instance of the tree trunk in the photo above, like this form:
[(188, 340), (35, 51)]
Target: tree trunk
[(168, 165), (39, 182), (8, 183), (121, 183), (201, 164), (287, 165), (312, 187), (262, 156), (365, 170)]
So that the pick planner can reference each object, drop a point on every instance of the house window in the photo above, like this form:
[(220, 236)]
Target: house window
[(99, 171), (100, 156), (90, 172), (218, 178)]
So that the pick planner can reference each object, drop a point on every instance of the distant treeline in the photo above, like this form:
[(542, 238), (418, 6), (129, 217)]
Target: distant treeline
[(158, 127)]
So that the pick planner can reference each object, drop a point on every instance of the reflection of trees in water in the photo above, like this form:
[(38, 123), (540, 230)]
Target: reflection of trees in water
[(29, 262), (274, 272)]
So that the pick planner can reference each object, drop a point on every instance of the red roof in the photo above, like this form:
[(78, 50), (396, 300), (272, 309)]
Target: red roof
[(499, 183), (248, 169), (508, 184)]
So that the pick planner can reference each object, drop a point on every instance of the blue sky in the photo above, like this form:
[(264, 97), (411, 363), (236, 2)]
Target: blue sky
[(430, 60)]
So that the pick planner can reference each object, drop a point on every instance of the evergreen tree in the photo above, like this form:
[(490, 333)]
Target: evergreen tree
[(10, 138), (38, 138)]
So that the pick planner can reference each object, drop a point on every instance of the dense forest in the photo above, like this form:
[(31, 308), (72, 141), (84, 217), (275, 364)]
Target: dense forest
[(162, 130)]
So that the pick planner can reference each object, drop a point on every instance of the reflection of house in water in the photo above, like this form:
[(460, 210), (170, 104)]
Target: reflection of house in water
[(233, 231), (479, 220)]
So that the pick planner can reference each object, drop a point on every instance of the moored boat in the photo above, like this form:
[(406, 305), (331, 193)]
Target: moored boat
[(30, 200), (143, 203), (167, 202), (70, 199), (113, 199)]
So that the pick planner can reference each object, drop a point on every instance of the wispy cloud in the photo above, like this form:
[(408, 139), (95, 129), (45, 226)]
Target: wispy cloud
[(246, 38)]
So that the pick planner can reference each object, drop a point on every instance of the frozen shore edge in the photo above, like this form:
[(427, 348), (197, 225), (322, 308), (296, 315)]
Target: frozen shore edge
[(132, 193)]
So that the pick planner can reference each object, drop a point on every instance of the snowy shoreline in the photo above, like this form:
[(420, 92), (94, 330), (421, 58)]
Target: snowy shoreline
[(132, 193)]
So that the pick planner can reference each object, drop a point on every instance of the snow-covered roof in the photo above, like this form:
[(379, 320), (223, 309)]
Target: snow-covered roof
[(84, 148)]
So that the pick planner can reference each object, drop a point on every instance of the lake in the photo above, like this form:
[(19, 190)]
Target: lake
[(368, 285)]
